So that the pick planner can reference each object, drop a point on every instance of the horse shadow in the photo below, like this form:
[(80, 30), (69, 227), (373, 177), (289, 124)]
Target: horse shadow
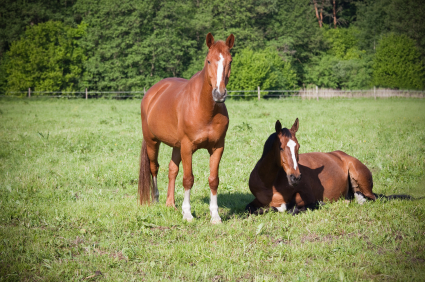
[(233, 202), (311, 182)]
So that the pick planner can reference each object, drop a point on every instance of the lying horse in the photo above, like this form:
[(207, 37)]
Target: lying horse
[(186, 115), (283, 179)]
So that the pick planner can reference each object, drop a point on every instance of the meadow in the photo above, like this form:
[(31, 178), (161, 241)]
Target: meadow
[(69, 212)]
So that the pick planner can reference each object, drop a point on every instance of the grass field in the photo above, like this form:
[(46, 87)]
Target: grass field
[(68, 183)]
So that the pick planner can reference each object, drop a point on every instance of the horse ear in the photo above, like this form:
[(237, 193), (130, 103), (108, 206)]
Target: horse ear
[(230, 41), (294, 127), (210, 40), (278, 127)]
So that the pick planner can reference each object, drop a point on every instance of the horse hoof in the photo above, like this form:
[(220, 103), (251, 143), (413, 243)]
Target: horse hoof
[(171, 205), (216, 221), (188, 218), (360, 198)]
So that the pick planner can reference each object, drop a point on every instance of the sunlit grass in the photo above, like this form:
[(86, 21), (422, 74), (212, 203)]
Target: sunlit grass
[(68, 181)]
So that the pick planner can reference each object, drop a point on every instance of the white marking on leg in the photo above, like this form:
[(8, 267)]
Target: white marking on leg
[(215, 218), (282, 207), (220, 70), (186, 206), (155, 190), (291, 144), (360, 198)]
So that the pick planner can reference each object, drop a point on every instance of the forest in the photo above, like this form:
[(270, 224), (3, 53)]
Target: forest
[(129, 45)]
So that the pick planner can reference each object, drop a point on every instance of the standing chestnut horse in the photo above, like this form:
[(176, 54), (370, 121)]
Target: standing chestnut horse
[(187, 115), (283, 179)]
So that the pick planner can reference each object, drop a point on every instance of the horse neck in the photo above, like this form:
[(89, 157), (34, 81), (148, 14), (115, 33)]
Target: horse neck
[(202, 96), (268, 168)]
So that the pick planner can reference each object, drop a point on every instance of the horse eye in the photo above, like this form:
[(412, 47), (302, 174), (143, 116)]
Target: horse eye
[(281, 149), (208, 62)]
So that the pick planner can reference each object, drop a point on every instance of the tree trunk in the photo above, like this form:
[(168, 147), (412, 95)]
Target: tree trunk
[(317, 13), (334, 10)]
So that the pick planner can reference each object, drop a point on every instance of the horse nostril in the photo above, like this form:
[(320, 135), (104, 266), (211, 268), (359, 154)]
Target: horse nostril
[(295, 179), (299, 177)]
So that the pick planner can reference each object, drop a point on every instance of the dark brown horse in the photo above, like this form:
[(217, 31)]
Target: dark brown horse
[(187, 115), (283, 179)]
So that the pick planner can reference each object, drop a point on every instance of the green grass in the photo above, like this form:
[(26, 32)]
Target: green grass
[(68, 174)]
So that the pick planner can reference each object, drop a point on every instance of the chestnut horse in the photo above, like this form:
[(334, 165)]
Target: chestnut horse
[(283, 179), (186, 115)]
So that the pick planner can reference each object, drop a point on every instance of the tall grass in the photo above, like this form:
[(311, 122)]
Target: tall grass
[(68, 183)]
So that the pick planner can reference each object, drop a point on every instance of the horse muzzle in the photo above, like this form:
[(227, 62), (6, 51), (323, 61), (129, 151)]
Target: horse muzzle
[(219, 97), (294, 180)]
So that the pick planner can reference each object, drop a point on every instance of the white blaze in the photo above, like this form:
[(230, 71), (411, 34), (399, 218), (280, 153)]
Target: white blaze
[(220, 70), (291, 144)]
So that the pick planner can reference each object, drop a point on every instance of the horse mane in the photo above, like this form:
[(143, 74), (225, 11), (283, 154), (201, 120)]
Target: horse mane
[(270, 141)]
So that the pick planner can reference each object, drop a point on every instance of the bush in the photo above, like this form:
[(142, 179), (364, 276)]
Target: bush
[(46, 58), (344, 65), (261, 68), (397, 63)]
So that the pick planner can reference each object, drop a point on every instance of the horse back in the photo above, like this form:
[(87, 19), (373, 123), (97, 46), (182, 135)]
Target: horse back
[(324, 174), (162, 93)]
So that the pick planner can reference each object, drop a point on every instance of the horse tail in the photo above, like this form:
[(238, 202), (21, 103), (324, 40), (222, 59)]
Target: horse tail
[(145, 180), (397, 197)]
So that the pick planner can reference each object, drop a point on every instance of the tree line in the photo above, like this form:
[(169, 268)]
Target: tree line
[(105, 45)]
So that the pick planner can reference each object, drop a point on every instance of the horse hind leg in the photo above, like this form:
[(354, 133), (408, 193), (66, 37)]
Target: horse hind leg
[(153, 151), (361, 182), (173, 171)]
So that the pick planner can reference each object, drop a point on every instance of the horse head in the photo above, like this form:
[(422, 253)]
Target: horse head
[(288, 147), (217, 65)]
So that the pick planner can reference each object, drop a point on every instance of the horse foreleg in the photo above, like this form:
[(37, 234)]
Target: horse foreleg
[(173, 170), (186, 156), (255, 207), (215, 157)]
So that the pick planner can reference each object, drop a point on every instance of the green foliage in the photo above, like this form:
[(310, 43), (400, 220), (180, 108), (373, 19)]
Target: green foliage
[(292, 29), (130, 45), (376, 18), (322, 71), (262, 68), (330, 72), (371, 22), (344, 65), (406, 17), (343, 42), (18, 15), (397, 63), (3, 75), (46, 58)]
